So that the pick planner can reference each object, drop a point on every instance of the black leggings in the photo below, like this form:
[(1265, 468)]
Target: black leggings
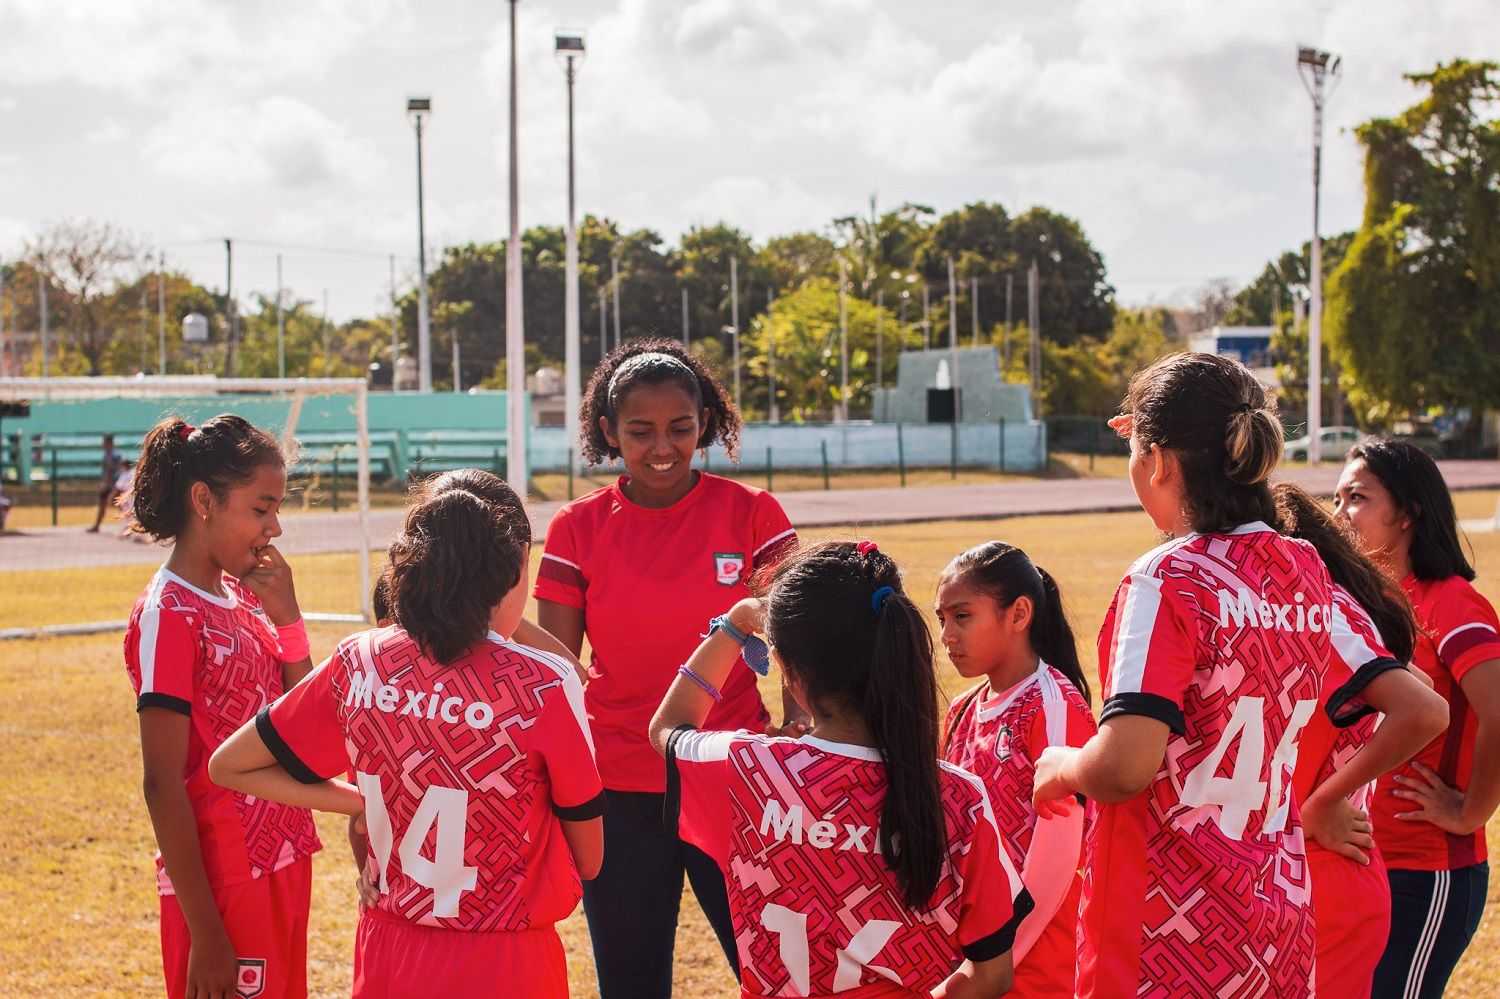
[(632, 905), (1433, 917)]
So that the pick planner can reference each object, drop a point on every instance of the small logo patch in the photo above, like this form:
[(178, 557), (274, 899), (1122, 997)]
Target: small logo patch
[(251, 980), (728, 567), (1002, 743)]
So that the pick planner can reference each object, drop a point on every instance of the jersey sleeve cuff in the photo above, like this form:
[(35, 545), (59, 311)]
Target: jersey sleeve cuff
[(591, 809), (1344, 707), (289, 760), (565, 595), (671, 804), (151, 699), (1002, 940), (1150, 705)]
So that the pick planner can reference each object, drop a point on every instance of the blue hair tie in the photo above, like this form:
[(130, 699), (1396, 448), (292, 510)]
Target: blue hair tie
[(879, 597)]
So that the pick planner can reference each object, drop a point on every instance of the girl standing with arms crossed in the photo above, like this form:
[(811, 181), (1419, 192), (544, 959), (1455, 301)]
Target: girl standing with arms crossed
[(857, 863), (1337, 764), (1212, 658), (640, 567), (1430, 815), (475, 773), (216, 636), (1002, 618)]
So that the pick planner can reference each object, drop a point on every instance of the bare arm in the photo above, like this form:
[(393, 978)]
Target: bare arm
[(244, 763), (1414, 716), (686, 703), (212, 965), (562, 622), (586, 844), (1115, 765), (538, 637), (978, 980)]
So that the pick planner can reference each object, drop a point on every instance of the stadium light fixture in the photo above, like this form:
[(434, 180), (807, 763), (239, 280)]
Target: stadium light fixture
[(569, 50), (1317, 68), (418, 109)]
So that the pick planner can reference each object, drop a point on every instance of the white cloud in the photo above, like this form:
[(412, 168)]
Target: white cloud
[(108, 133)]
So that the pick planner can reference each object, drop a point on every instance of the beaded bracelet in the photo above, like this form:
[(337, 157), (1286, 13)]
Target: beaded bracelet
[(708, 688)]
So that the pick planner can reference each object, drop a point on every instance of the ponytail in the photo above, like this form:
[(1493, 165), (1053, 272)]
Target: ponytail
[(223, 452), (843, 626), (1006, 573)]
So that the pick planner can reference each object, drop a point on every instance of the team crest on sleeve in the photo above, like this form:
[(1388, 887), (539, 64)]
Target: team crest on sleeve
[(728, 567), (250, 981)]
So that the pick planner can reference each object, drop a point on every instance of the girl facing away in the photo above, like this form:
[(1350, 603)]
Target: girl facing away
[(1213, 656), (1002, 619), (215, 637), (474, 768), (1430, 815), (1337, 764), (857, 864)]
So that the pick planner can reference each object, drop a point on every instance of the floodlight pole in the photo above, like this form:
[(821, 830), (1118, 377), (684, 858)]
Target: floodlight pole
[(570, 48), (161, 313), (734, 320), (1316, 67), (229, 305), (418, 108), (515, 355), (843, 345)]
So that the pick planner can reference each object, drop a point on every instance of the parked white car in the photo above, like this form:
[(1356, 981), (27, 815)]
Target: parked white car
[(1335, 441)]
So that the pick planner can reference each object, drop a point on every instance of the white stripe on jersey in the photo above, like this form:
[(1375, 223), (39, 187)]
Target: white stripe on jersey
[(1012, 878), (150, 625), (559, 558), (768, 544), (1054, 709), (1464, 627), (572, 686), (1133, 634), (1348, 644), (703, 747)]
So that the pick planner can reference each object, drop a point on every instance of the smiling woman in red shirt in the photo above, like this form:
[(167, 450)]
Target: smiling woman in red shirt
[(1429, 816), (640, 567)]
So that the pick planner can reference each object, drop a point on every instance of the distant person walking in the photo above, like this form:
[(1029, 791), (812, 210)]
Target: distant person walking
[(109, 480)]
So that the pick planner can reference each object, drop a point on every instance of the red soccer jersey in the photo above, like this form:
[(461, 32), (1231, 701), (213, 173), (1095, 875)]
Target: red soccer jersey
[(648, 581), (1458, 632), (1198, 886), (216, 660), (465, 770), (998, 737), (794, 825)]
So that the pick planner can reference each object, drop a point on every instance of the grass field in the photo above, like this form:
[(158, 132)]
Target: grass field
[(76, 845)]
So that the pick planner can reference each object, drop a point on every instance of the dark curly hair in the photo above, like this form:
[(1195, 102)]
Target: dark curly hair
[(222, 452), (674, 366), (453, 561)]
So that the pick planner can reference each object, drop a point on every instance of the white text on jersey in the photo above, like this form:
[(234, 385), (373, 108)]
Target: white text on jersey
[(1245, 608), (787, 825), (366, 691)]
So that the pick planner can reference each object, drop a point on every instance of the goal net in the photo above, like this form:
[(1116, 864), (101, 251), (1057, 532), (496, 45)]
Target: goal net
[(60, 576)]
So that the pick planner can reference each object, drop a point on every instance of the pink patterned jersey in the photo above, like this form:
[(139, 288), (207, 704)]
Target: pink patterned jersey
[(465, 770), (1198, 886), (998, 737), (1328, 746), (794, 823), (216, 660)]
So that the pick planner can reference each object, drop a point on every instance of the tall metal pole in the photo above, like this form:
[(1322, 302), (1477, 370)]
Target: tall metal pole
[(974, 307), (953, 333), (1315, 67), (515, 356), (458, 385), (229, 305), (161, 313), (1034, 321), (41, 284), (734, 321), (1010, 287), (424, 320), (684, 317), (145, 325), (926, 321), (880, 338), (323, 332), (395, 325), (614, 282), (603, 324), (843, 345), (280, 326), (572, 355), (4, 344), (775, 410)]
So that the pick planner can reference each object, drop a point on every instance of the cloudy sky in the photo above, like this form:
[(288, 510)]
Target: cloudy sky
[(1178, 133)]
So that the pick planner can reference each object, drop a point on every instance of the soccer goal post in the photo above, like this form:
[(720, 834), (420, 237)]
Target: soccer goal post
[(53, 444)]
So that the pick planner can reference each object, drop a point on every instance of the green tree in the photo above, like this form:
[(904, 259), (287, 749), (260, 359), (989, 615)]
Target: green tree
[(1413, 312)]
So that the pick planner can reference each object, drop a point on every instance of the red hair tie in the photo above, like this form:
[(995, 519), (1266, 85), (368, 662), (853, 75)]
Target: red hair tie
[(186, 430), (866, 547)]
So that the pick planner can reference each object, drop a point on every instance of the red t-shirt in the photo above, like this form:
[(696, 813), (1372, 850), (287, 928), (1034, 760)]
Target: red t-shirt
[(465, 770), (998, 737), (648, 582), (794, 824), (217, 661), (1199, 885), (1458, 632)]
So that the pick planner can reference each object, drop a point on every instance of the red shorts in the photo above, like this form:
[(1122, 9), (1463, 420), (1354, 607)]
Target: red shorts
[(1352, 906), (395, 959), (266, 919), (1047, 970)]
